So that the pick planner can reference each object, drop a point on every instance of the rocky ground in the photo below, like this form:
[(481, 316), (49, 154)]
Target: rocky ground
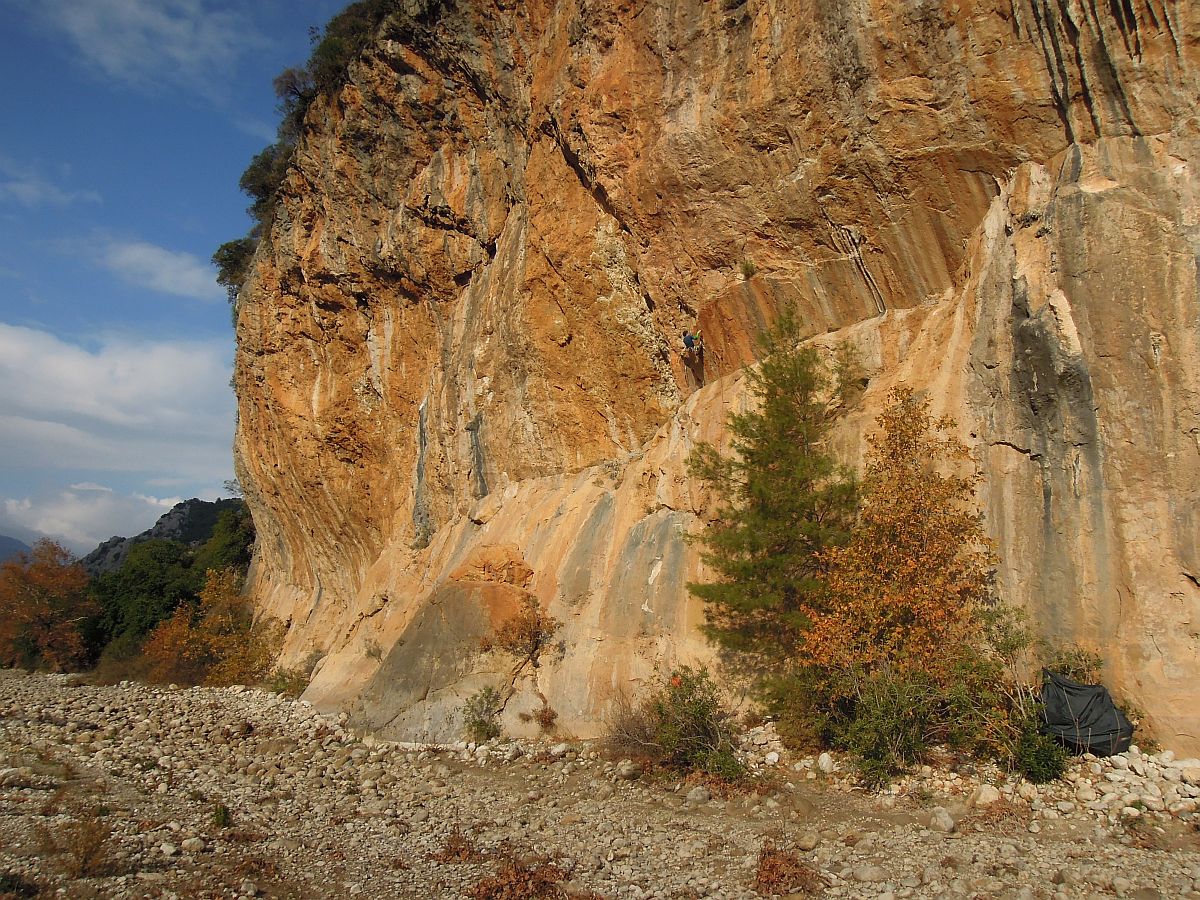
[(135, 791)]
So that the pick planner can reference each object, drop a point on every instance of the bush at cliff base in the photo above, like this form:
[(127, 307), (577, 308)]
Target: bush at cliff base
[(1039, 757), (683, 726), (904, 646), (215, 641)]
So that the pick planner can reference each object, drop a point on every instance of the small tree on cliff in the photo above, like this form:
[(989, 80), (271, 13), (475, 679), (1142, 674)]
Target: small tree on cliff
[(783, 501)]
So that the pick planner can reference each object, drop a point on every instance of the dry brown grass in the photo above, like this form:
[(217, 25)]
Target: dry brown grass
[(1146, 834), (545, 716), (1003, 816), (457, 848), (54, 803), (525, 634), (84, 845), (781, 871), (518, 879)]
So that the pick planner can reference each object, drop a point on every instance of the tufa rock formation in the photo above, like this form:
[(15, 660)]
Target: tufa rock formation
[(458, 366)]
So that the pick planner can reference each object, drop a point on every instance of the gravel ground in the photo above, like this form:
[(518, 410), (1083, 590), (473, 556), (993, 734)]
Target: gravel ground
[(137, 791)]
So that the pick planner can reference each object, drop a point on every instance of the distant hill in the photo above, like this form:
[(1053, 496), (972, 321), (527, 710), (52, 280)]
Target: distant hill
[(10, 547), (190, 522)]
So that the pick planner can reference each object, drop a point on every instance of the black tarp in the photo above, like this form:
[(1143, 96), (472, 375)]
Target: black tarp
[(1083, 716)]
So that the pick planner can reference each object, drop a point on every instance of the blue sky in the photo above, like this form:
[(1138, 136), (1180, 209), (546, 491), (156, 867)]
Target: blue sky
[(126, 124)]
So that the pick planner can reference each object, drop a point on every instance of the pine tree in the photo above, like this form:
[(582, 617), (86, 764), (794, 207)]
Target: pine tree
[(783, 501)]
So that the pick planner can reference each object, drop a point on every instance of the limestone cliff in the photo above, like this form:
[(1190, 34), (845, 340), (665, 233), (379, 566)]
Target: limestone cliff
[(458, 372)]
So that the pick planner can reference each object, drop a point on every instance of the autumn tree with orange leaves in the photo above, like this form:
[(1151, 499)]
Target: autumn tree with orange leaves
[(216, 640), (44, 609), (906, 646), (907, 591)]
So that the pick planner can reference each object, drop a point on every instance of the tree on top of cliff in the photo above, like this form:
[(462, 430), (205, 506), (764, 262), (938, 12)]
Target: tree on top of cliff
[(784, 501), (335, 47)]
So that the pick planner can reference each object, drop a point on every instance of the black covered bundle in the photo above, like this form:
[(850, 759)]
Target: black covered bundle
[(1083, 716)]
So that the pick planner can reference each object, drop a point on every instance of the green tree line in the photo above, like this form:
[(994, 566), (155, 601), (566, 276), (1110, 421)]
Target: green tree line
[(52, 616)]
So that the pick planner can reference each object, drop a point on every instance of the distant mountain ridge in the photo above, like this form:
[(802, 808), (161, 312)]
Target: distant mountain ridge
[(190, 522), (10, 547)]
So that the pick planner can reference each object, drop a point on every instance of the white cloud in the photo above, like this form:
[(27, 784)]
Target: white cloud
[(192, 43), (28, 188), (160, 502), (55, 391), (161, 409), (156, 268), (91, 486), (83, 519), (155, 414)]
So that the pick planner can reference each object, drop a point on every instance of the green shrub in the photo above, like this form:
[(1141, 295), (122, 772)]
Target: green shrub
[(888, 718), (230, 543), (159, 575), (748, 268), (288, 682), (343, 41), (221, 817), (889, 723), (682, 726), (233, 259), (481, 714), (849, 374), (1039, 757), (121, 660)]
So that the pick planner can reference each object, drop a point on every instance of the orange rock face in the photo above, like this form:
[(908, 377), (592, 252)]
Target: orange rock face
[(459, 360)]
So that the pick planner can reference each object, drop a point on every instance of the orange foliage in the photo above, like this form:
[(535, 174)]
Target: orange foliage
[(526, 632), (44, 602), (905, 591), (216, 641), (174, 649)]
